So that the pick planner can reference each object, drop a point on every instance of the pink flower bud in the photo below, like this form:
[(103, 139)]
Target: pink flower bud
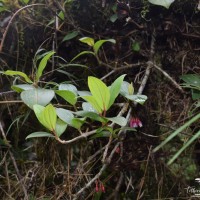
[(103, 188), (139, 123), (97, 187), (135, 122)]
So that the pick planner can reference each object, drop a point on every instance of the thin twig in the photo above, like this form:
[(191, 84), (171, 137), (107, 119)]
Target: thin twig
[(15, 164), (14, 101), (168, 77), (149, 65), (115, 193), (91, 181), (19, 176), (143, 178), (84, 135), (12, 18)]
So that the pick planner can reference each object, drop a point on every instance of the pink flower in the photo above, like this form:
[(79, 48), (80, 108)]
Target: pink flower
[(97, 186), (135, 122), (103, 188)]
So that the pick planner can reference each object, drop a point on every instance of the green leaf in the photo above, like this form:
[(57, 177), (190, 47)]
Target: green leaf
[(113, 18), (38, 109), (103, 132), (118, 120), (91, 115), (88, 107), (115, 89), (188, 143), (100, 92), (37, 96), (164, 3), (68, 87), (25, 1), (137, 98), (175, 133), (70, 36), (49, 115), (68, 96), (65, 115), (60, 127), (18, 73), (93, 102), (46, 116), (124, 90), (130, 89), (21, 87), (77, 123), (61, 15), (124, 129), (136, 46), (87, 40), (43, 64), (82, 53), (84, 93), (39, 134), (99, 43), (192, 79), (195, 94)]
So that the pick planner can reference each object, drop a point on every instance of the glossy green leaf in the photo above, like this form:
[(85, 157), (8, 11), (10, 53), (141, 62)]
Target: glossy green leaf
[(88, 107), (100, 92), (82, 53), (115, 89), (46, 116), (87, 40), (21, 87), (137, 98), (18, 73), (38, 109), (69, 96), (39, 134), (164, 3), (43, 64), (84, 93), (49, 115), (77, 123), (124, 90), (37, 96), (99, 43), (192, 79), (65, 115), (103, 133), (60, 127), (93, 102), (70, 36), (118, 120), (68, 87), (61, 15), (91, 115)]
